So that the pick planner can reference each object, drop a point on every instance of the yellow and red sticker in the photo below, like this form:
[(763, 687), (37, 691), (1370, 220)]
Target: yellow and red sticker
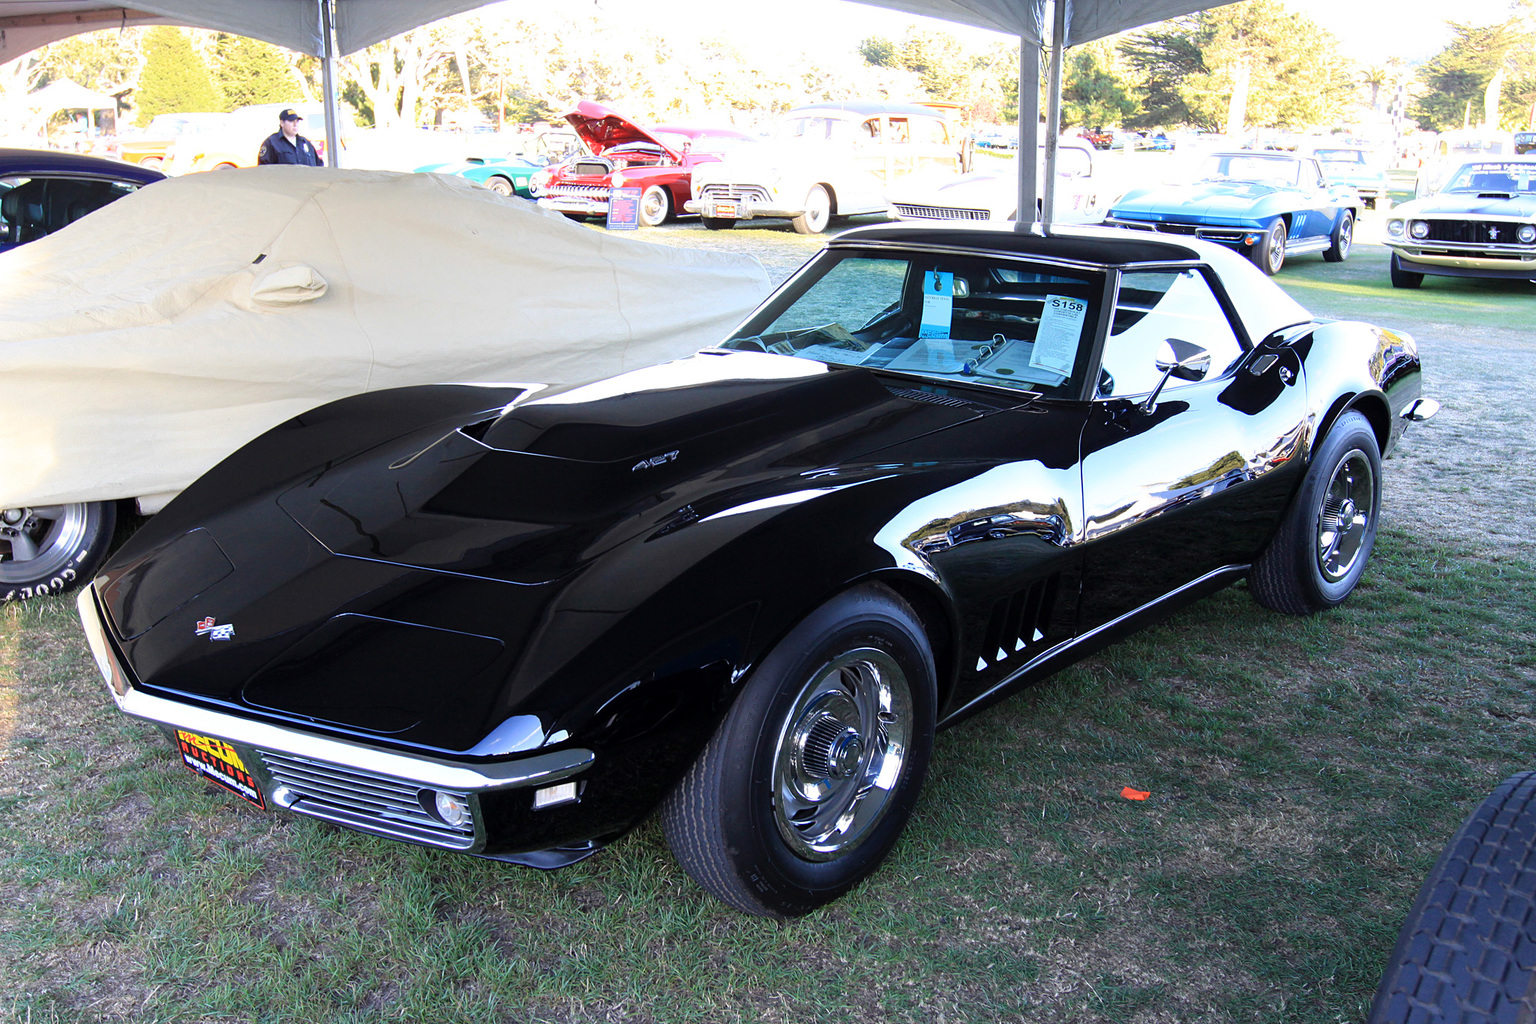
[(219, 763)]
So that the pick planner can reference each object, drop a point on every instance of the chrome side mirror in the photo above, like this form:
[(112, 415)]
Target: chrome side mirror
[(1182, 359)]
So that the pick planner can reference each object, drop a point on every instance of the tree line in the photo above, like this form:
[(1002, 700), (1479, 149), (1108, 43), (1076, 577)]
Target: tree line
[(1179, 73)]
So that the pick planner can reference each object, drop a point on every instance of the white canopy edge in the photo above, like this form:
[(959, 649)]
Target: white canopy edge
[(295, 24), (1088, 19)]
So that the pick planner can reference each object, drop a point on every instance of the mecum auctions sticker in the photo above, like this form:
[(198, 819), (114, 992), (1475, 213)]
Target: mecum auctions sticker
[(219, 763)]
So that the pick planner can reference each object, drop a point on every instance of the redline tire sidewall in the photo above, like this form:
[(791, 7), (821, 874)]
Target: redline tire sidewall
[(1478, 849), (101, 522), (784, 882)]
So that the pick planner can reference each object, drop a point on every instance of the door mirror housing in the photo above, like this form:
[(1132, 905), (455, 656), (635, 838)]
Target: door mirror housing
[(1182, 359)]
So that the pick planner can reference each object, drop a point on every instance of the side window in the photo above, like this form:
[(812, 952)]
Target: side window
[(869, 132), (1153, 306), (900, 132)]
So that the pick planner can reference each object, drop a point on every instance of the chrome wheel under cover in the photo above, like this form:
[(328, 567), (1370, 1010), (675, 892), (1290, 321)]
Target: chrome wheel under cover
[(840, 753), (38, 542), (1344, 521)]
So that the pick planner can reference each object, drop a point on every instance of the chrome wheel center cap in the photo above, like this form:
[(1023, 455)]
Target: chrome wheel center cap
[(846, 753)]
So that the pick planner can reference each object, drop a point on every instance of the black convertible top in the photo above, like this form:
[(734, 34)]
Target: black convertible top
[(1106, 246)]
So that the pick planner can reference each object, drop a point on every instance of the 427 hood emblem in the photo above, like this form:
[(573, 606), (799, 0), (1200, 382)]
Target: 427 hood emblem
[(654, 461)]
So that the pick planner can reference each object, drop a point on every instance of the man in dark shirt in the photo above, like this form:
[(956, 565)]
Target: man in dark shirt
[(287, 146)]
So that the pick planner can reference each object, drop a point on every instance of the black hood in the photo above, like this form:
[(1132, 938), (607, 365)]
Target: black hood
[(564, 476)]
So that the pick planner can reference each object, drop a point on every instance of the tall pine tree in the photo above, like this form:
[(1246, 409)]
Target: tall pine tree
[(251, 71), (174, 79)]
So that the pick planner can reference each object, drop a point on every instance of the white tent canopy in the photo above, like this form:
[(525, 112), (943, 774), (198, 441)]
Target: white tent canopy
[(327, 28)]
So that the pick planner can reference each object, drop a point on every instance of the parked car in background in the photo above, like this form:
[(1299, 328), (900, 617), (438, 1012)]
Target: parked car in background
[(140, 347), (236, 141), (1356, 167), (150, 147), (746, 587), (43, 190), (659, 161), (1481, 224), (1098, 138), (506, 175), (1453, 149), (1525, 142), (1269, 205), (826, 160), (993, 195)]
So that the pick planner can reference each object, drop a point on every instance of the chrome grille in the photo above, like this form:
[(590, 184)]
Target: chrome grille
[(939, 212), (1473, 232), (735, 193), (592, 191), (361, 799)]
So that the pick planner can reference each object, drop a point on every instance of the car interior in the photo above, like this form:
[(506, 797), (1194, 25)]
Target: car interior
[(31, 208)]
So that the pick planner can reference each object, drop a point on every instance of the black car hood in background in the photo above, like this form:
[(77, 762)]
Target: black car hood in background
[(556, 481)]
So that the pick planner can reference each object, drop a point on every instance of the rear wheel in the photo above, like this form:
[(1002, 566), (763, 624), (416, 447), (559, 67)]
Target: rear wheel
[(655, 206), (1343, 236), (811, 777), (1403, 278), (501, 186), (818, 212), (48, 549), (719, 223), (1319, 553), (1268, 253)]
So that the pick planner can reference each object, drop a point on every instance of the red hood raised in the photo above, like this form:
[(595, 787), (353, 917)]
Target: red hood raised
[(602, 129)]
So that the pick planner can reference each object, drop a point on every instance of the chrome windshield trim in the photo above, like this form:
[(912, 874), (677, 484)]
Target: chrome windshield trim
[(434, 773)]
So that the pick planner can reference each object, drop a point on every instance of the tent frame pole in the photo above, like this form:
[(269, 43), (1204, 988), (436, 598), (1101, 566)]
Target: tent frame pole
[(1053, 117), (328, 83), (1029, 130)]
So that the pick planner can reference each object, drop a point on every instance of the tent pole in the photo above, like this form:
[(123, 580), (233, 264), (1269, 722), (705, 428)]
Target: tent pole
[(1053, 117), (328, 83), (1029, 130)]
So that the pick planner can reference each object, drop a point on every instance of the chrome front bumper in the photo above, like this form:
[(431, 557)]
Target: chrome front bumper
[(362, 787), (739, 209), (586, 206), (1224, 235), (1462, 259)]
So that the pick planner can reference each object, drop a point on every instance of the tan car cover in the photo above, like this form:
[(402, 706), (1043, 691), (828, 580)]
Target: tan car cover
[(144, 343)]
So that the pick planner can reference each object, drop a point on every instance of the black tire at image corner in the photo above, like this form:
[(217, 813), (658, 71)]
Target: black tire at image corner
[(721, 821), (67, 556), (1466, 953)]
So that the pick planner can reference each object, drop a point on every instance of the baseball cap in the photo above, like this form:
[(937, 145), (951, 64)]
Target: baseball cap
[(290, 115)]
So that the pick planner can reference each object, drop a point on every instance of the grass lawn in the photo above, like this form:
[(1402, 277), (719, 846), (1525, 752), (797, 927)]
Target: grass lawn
[(1303, 773)]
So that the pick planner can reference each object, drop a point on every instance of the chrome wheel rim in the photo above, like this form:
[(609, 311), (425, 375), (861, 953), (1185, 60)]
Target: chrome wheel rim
[(38, 542), (818, 208), (653, 207), (840, 754), (501, 186), (1346, 236), (1344, 521), (1276, 246)]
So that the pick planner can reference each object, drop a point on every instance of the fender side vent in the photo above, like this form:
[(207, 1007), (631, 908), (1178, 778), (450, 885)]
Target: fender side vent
[(1018, 624)]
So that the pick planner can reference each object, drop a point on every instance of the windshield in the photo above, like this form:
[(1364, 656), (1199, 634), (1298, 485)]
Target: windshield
[(1267, 170), (1004, 323), (1494, 176)]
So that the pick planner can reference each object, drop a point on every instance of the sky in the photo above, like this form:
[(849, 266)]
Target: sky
[(1370, 31)]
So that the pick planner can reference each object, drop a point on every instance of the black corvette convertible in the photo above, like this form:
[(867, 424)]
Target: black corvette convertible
[(746, 587)]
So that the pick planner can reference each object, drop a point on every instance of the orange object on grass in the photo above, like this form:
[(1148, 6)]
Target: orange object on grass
[(1133, 794)]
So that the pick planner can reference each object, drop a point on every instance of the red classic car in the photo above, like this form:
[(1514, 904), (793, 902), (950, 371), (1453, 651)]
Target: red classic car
[(659, 161)]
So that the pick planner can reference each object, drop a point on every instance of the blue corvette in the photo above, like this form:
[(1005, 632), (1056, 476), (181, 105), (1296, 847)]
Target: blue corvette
[(1268, 205)]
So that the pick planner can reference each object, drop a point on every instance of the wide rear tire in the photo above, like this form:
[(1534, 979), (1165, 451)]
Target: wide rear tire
[(1323, 543), (810, 779), (1467, 950)]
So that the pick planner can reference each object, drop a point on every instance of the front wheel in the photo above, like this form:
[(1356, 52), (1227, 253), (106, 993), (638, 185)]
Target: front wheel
[(818, 212), (655, 206), (1268, 253), (48, 549), (810, 779), (1402, 278), (1319, 553), (719, 223), (1343, 236)]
